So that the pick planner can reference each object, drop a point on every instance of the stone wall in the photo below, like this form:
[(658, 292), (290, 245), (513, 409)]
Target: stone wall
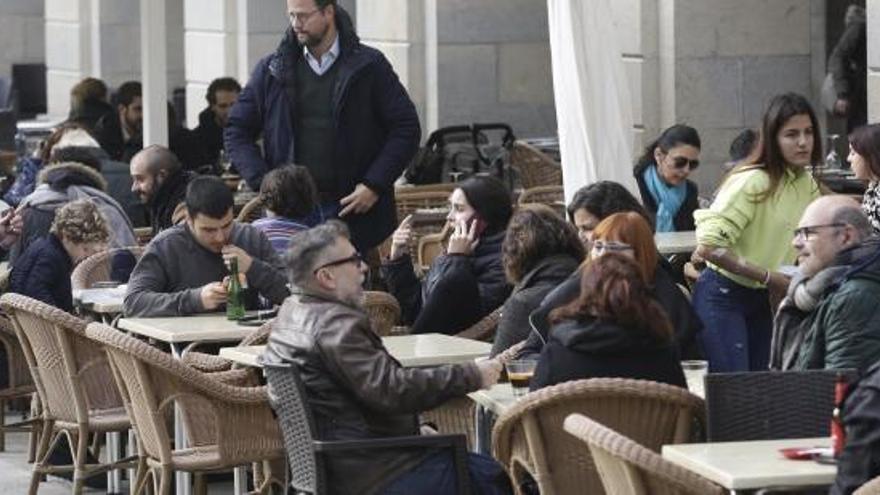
[(21, 34)]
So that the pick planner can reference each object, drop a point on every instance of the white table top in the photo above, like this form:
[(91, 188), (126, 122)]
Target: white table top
[(428, 349), (754, 464), (498, 399), (212, 327), (104, 300), (676, 242)]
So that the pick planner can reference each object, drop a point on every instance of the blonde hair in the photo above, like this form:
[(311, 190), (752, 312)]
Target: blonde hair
[(80, 222)]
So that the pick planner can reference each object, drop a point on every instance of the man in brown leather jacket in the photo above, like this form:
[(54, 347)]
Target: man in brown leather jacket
[(357, 390)]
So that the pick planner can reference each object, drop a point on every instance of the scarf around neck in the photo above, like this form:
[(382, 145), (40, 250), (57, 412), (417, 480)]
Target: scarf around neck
[(668, 198)]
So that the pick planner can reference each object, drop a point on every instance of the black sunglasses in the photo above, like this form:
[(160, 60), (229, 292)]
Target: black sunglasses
[(682, 162), (355, 258)]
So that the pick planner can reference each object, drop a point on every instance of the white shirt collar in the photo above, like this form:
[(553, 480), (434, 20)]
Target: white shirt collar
[(322, 66)]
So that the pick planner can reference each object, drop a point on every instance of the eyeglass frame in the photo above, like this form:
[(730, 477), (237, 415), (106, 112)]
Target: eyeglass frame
[(680, 162), (303, 17), (807, 232), (611, 247), (355, 258)]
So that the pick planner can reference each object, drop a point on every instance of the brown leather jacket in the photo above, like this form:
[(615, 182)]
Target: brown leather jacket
[(357, 389)]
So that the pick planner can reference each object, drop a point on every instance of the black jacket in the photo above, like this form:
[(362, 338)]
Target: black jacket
[(209, 136), (684, 219), (457, 291), (377, 128), (860, 460), (43, 273), (171, 193), (108, 132), (90, 113), (601, 349), (527, 296), (684, 320)]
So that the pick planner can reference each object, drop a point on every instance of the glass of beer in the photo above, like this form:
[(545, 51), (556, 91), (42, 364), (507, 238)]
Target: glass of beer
[(520, 374)]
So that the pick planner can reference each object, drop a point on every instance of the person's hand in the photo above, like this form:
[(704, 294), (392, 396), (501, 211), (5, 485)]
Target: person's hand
[(463, 239), (213, 295), (244, 259), (778, 283), (401, 238), (490, 371), (841, 107), (359, 201), (10, 227), (511, 353)]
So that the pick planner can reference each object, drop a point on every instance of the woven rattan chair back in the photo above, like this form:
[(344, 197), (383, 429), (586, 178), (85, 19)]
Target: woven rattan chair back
[(297, 425), (552, 196), (410, 201), (19, 383), (383, 310), (872, 487), (769, 404), (627, 468), (71, 374), (98, 267), (529, 436), (534, 167), (251, 211), (446, 187), (226, 425)]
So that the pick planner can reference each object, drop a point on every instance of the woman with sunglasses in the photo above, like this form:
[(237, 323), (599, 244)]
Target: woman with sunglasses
[(662, 175), (864, 158), (743, 236)]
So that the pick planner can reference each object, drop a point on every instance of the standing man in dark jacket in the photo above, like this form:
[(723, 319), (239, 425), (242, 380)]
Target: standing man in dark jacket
[(357, 390), (325, 101), (120, 132), (221, 95), (158, 178)]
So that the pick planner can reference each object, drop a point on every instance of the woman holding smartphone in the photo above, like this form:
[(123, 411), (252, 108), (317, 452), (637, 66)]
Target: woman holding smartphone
[(744, 237), (465, 283)]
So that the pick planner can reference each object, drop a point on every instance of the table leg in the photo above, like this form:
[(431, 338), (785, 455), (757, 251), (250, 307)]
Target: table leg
[(130, 450), (114, 476), (183, 480), (239, 480), (483, 421)]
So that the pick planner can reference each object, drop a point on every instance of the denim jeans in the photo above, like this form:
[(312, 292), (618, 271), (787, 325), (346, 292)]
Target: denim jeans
[(436, 476), (737, 323)]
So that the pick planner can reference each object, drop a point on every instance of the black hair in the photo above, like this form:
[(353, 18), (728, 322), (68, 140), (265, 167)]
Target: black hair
[(289, 191), (676, 135), (491, 200), (324, 3), (209, 196), (742, 145), (127, 92), (86, 155), (605, 198), (221, 84)]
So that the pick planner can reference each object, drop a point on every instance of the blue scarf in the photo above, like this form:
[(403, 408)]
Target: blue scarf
[(668, 198)]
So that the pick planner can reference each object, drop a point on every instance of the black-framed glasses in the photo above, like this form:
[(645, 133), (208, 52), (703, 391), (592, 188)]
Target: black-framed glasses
[(356, 258), (682, 162), (806, 233), (611, 247), (302, 17)]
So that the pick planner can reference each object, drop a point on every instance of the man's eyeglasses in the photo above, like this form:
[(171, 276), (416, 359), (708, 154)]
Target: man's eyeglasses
[(806, 233), (611, 247), (682, 162), (356, 258), (302, 17)]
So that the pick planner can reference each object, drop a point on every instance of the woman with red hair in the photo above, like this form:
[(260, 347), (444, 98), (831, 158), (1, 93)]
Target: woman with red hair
[(615, 328)]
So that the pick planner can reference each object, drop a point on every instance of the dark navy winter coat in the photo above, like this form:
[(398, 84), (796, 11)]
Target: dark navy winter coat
[(43, 273)]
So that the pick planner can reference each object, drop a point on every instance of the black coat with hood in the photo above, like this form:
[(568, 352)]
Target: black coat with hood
[(593, 348)]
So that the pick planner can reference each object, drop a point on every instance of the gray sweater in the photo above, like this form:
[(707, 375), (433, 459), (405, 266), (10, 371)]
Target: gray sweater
[(167, 280)]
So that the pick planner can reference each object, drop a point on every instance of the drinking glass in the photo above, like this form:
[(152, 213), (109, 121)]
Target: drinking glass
[(520, 373), (694, 371)]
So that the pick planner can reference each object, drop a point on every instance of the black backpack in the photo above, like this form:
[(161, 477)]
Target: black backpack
[(456, 151)]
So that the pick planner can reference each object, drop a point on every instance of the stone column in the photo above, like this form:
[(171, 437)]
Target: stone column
[(873, 75), (68, 50)]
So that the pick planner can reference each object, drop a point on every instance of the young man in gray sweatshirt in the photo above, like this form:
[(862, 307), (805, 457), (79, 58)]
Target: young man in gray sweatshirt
[(182, 271)]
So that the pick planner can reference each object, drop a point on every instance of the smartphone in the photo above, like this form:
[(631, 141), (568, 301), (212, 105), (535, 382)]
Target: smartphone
[(480, 225)]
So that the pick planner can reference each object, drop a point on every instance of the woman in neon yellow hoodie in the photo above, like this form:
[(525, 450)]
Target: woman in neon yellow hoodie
[(745, 236)]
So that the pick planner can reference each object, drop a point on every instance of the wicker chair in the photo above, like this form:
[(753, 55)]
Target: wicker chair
[(430, 246), (210, 363), (552, 196), (410, 201), (769, 405), (305, 453), (97, 267), (534, 167), (251, 211), (228, 426), (73, 382), (483, 330), (446, 187), (529, 436), (627, 468), (20, 385), (872, 487), (383, 311)]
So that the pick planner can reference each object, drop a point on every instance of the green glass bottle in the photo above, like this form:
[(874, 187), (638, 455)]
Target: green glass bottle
[(234, 295)]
